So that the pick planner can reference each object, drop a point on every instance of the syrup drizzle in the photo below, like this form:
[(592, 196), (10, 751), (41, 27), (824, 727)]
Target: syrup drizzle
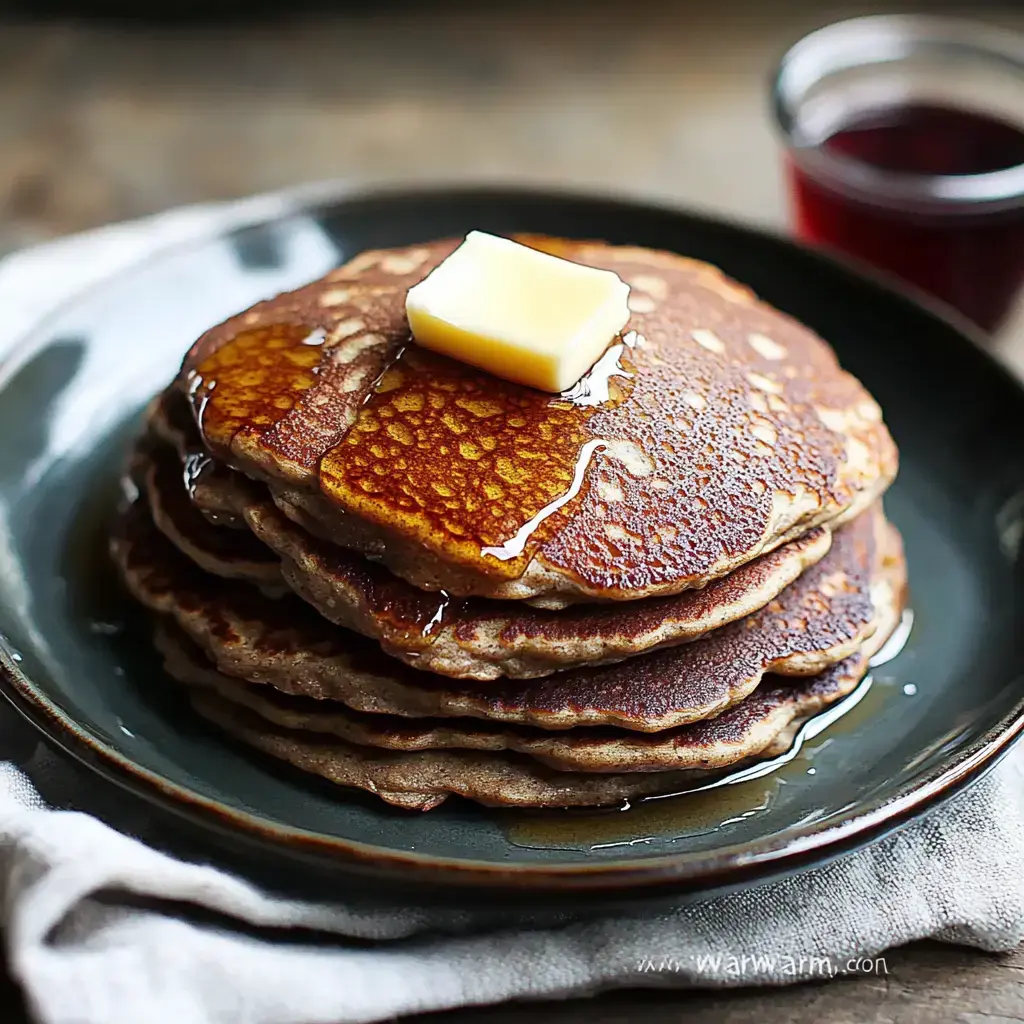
[(437, 619), (492, 452), (899, 639), (515, 545), (194, 464), (596, 386), (717, 804)]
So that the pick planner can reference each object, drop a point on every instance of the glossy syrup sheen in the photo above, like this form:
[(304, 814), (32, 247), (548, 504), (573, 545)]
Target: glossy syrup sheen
[(479, 456), (485, 461), (220, 494), (414, 618), (734, 796), (883, 337), (261, 371), (723, 406)]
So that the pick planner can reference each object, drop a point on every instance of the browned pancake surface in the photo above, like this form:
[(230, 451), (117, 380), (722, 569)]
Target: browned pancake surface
[(464, 638), (742, 732), (422, 779), (233, 554), (816, 622), (720, 429)]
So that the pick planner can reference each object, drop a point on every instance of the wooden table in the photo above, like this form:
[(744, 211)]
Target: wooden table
[(101, 123)]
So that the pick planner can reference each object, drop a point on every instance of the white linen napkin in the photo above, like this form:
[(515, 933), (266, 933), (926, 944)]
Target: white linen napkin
[(100, 927)]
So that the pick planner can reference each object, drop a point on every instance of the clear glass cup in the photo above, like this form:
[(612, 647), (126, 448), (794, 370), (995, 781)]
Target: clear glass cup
[(904, 139)]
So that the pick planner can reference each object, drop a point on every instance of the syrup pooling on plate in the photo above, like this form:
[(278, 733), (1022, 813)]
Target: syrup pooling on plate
[(734, 796), (897, 642)]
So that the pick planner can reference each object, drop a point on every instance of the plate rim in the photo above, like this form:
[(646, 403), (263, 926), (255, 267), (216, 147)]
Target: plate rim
[(699, 871), (677, 871)]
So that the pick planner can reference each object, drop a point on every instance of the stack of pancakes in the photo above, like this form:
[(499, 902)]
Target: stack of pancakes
[(403, 574)]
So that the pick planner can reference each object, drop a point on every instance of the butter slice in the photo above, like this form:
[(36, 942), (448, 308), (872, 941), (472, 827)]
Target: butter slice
[(518, 313)]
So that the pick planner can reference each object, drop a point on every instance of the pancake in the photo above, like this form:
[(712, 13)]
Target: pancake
[(822, 618), (422, 779), (483, 639), (464, 638), (736, 735), (232, 554), (209, 485), (716, 430)]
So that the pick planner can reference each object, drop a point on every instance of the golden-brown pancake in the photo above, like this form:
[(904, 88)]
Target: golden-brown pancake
[(422, 779), (736, 735), (716, 430), (822, 618), (465, 638), (211, 486), (232, 554)]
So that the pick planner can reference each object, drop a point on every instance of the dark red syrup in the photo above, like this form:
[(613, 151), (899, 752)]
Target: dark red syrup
[(969, 254)]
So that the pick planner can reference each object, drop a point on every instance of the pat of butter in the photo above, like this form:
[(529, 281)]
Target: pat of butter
[(518, 313)]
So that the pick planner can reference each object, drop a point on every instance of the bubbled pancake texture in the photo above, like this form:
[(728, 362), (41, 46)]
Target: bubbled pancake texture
[(721, 429), (473, 638), (821, 619), (418, 766), (406, 576)]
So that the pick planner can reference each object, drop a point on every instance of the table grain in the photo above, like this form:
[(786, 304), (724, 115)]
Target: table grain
[(105, 121)]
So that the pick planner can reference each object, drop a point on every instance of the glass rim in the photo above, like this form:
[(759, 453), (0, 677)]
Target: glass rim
[(886, 38)]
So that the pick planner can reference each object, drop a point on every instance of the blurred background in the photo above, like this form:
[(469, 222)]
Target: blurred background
[(113, 110)]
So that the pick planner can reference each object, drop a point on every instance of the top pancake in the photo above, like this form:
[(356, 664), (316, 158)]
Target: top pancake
[(716, 429)]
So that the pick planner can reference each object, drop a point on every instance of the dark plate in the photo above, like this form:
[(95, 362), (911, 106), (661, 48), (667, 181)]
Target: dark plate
[(77, 662)]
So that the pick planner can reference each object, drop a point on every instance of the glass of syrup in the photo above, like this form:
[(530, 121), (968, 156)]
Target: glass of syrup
[(905, 148)]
